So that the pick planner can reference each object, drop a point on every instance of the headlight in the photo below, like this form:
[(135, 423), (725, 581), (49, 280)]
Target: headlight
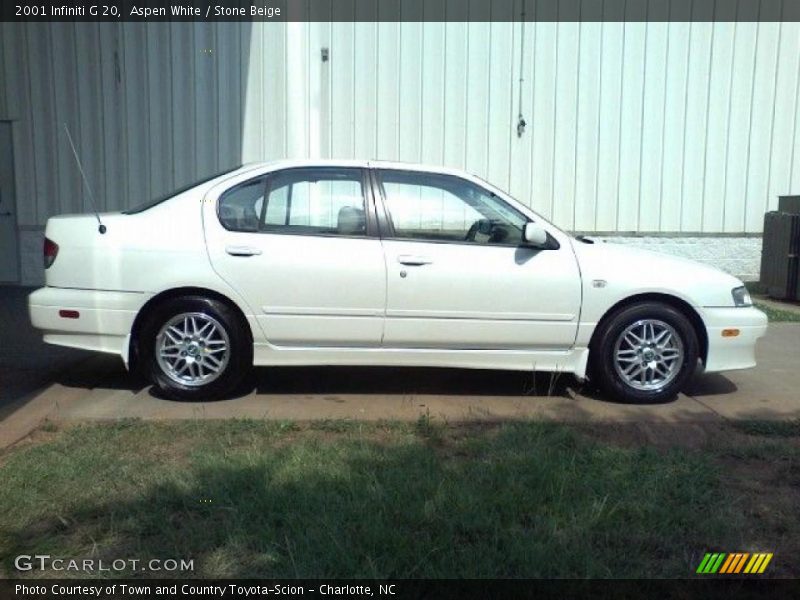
[(741, 297)]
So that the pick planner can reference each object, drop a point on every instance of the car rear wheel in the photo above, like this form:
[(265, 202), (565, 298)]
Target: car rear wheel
[(195, 348), (645, 353)]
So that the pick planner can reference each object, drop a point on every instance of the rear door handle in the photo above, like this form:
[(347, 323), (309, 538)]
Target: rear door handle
[(413, 261), (242, 251)]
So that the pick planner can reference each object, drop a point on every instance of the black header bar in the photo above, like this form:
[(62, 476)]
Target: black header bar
[(465, 589), (400, 10)]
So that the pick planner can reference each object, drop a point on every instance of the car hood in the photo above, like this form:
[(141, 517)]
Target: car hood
[(633, 270)]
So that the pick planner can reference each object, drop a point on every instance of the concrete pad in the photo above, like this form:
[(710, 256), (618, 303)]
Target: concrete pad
[(100, 389), (770, 391), (369, 407), (39, 383)]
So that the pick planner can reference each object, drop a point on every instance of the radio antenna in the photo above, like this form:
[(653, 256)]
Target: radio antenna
[(100, 227)]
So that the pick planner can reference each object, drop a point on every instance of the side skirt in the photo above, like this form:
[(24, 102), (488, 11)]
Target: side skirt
[(569, 361)]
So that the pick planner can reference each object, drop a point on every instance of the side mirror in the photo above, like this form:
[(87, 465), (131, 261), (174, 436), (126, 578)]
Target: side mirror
[(534, 235)]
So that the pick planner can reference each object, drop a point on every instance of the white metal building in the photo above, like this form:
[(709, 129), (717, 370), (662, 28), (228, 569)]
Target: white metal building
[(684, 133)]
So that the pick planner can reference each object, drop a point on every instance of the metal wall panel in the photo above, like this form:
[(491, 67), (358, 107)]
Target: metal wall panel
[(3, 100), (630, 127), (183, 52), (159, 118), (89, 119), (39, 44), (761, 124), (113, 187), (19, 108)]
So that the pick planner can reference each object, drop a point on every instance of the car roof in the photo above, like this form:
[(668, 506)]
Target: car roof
[(362, 164), (264, 167)]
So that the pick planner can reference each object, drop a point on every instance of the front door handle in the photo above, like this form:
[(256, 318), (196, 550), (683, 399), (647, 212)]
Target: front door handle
[(242, 251), (413, 261), (8, 213)]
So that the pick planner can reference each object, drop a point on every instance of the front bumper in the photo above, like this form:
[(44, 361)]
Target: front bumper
[(737, 352)]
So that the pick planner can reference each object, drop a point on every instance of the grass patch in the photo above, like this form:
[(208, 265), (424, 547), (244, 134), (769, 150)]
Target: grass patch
[(349, 499), (789, 428), (429, 428), (776, 315)]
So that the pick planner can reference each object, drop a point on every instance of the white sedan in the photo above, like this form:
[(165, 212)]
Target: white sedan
[(372, 263)]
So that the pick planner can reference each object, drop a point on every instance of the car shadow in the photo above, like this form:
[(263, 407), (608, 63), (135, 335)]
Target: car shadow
[(108, 372), (401, 381), (102, 371), (710, 384), (410, 380), (702, 384)]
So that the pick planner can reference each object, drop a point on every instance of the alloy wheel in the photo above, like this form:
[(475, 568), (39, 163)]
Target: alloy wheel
[(648, 354), (193, 349)]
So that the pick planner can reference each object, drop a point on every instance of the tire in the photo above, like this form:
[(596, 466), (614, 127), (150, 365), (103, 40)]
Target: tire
[(195, 348), (644, 353)]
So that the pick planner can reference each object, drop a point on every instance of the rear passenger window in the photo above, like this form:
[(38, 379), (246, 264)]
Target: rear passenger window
[(312, 201), (328, 201), (240, 208)]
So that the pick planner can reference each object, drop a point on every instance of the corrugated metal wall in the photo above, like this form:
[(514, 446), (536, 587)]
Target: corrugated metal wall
[(149, 107), (659, 126)]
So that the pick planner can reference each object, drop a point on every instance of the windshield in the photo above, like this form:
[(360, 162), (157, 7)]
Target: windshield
[(507, 196), (151, 203)]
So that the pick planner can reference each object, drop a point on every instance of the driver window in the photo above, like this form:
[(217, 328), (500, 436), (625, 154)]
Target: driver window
[(432, 207)]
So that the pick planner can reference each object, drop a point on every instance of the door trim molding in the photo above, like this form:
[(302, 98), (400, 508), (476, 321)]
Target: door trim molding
[(477, 316), (321, 311)]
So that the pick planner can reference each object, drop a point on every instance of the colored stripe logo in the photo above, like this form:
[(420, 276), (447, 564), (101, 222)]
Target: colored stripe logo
[(734, 563)]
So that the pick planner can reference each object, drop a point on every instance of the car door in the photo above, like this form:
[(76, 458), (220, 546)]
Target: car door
[(299, 246), (458, 274)]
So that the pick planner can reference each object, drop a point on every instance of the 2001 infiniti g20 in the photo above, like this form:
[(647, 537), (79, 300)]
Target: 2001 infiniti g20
[(368, 263)]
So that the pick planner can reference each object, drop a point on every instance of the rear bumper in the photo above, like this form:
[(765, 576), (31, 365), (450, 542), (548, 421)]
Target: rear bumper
[(104, 322), (737, 352)]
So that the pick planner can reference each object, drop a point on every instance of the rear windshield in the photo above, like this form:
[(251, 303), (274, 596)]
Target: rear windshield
[(151, 203)]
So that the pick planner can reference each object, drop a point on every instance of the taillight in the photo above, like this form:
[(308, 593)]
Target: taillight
[(50, 252)]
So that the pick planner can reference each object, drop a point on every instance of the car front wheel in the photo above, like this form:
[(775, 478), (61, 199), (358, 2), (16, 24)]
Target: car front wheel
[(645, 353), (194, 348)]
